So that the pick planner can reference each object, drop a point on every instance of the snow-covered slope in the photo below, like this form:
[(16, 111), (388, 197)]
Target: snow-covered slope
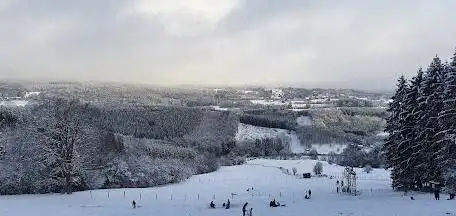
[(191, 198), (304, 121), (331, 147), (249, 133), (14, 103)]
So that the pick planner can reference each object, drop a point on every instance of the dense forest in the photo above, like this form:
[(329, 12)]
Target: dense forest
[(421, 147), (61, 145)]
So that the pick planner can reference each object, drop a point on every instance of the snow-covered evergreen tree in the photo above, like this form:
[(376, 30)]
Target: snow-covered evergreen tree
[(393, 127), (406, 150), (447, 119), (429, 107)]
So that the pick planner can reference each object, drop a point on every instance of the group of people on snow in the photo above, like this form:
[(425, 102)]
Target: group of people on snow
[(227, 205)]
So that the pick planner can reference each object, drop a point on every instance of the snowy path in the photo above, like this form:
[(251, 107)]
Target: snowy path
[(192, 197)]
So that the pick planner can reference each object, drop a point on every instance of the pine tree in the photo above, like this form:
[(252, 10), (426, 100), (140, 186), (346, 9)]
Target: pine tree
[(447, 119), (392, 128), (429, 107), (406, 149)]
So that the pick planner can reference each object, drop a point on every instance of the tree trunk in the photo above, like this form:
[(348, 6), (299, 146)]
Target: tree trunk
[(68, 189)]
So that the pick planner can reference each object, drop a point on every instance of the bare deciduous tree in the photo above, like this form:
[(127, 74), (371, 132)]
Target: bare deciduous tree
[(63, 137)]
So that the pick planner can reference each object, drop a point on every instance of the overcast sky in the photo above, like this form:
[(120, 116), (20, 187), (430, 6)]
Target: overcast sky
[(339, 43)]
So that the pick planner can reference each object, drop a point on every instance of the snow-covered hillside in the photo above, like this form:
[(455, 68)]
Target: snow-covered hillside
[(192, 197), (331, 147), (250, 133), (304, 121), (14, 103)]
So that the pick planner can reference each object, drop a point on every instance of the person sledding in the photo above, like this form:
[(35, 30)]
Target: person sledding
[(274, 204), (212, 205)]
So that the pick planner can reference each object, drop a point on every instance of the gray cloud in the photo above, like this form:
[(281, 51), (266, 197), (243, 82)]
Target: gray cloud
[(359, 44)]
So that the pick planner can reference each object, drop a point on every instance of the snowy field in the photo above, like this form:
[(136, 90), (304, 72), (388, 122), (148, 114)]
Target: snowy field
[(191, 198)]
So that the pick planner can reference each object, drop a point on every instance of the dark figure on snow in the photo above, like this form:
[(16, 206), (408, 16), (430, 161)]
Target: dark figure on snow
[(337, 186), (306, 196), (341, 183), (412, 198), (244, 208), (133, 204), (437, 193), (212, 205), (451, 196), (310, 193), (273, 203), (250, 212), (228, 204)]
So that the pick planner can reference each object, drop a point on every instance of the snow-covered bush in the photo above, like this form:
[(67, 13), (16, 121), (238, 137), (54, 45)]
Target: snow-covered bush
[(318, 168)]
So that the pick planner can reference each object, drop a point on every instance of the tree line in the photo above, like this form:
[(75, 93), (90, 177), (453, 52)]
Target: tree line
[(421, 147)]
